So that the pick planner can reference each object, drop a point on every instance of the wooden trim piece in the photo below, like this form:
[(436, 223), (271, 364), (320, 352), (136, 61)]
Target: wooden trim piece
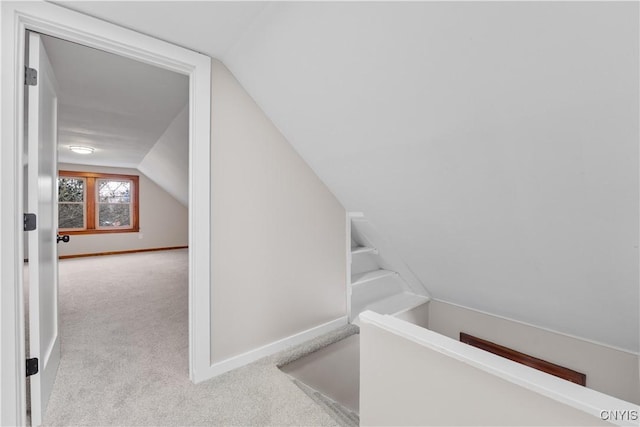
[(89, 201), (97, 231), (82, 174), (525, 359), (132, 251)]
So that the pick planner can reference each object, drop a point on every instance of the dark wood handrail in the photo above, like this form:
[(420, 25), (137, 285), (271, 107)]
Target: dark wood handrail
[(525, 359)]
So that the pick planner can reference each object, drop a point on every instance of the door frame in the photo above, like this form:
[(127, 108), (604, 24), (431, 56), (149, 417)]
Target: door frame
[(16, 19)]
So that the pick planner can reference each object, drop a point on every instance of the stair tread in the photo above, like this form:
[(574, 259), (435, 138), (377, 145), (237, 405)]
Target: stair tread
[(363, 250), (394, 304), (368, 276)]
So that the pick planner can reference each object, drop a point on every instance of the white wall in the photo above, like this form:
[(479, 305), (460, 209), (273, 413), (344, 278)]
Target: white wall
[(167, 163), (278, 233), (609, 370), (163, 220), (421, 378), (418, 315), (494, 143)]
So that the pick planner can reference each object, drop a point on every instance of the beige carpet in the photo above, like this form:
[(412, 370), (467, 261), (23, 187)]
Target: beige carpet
[(125, 349)]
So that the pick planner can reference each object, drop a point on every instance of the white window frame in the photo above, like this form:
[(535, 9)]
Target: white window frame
[(131, 204)]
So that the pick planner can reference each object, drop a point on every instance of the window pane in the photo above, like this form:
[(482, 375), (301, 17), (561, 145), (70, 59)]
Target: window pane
[(70, 215), (70, 190), (114, 215), (114, 191)]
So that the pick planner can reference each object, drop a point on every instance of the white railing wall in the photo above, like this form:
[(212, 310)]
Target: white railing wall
[(413, 376)]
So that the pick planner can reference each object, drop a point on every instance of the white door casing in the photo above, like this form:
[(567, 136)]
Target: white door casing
[(56, 21), (44, 337)]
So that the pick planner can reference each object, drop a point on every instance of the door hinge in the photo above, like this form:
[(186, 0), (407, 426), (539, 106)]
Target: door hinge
[(32, 366), (30, 76), (29, 222)]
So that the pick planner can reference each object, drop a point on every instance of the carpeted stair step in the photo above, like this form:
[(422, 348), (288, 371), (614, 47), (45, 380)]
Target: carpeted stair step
[(350, 415), (342, 415)]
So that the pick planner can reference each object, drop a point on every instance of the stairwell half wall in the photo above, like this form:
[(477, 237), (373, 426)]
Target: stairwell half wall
[(609, 370)]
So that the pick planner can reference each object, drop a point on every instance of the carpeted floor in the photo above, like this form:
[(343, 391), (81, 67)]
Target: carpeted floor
[(125, 349)]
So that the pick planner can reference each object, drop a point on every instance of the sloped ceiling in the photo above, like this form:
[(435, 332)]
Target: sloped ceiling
[(167, 162), (116, 105), (495, 144)]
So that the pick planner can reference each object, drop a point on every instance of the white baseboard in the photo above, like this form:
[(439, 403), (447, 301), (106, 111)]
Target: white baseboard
[(269, 349)]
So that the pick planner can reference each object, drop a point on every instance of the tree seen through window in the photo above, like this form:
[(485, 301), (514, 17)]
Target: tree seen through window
[(114, 199)]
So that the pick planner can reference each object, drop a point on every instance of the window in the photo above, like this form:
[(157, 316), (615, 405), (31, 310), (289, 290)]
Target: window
[(114, 203), (71, 203), (91, 203)]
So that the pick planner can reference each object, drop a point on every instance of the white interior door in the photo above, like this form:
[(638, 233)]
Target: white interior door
[(44, 338)]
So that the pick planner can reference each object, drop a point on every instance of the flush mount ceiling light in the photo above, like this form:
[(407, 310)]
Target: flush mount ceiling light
[(81, 149)]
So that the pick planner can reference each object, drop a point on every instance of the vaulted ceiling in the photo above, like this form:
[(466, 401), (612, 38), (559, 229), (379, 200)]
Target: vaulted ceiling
[(115, 105), (495, 144)]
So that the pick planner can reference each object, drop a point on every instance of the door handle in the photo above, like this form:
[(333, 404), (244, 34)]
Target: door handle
[(64, 238)]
